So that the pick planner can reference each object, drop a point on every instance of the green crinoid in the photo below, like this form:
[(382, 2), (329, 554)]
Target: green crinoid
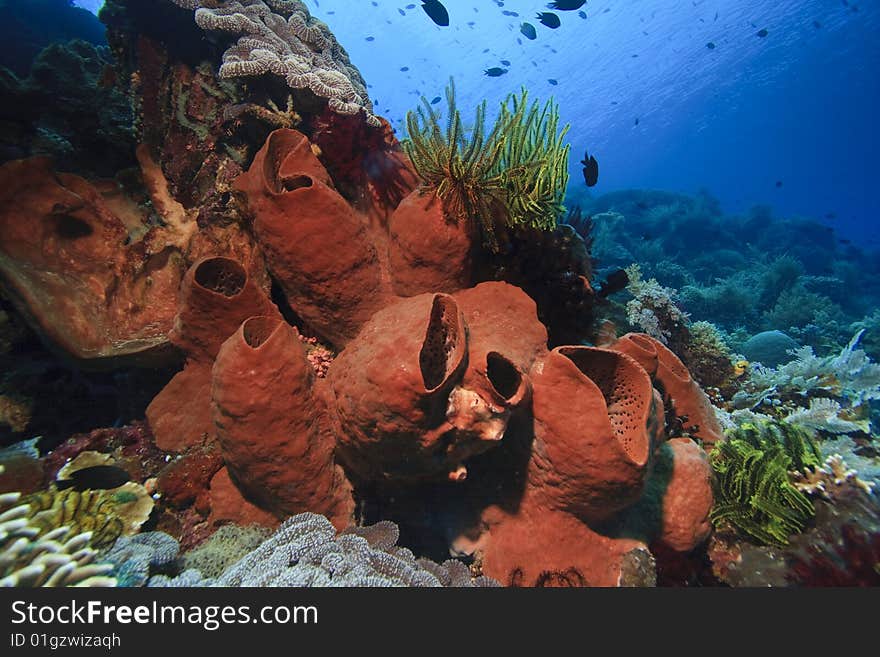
[(754, 494), (514, 176), (797, 444)]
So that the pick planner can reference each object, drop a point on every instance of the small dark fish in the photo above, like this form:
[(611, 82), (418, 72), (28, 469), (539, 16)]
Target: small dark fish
[(636, 121), (778, 184), (528, 31), (566, 5), (552, 81), (410, 6), (762, 33), (616, 281), (591, 170), (711, 45), (471, 23), (582, 14), (817, 25), (404, 68), (401, 12), (97, 477), (370, 38), (845, 241), (375, 4), (505, 62), (436, 11), (549, 19), (485, 50), (507, 12), (495, 72), (435, 100)]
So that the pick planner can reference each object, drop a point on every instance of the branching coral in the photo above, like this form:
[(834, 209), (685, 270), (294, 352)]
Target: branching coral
[(653, 308), (827, 480), (839, 389), (514, 176)]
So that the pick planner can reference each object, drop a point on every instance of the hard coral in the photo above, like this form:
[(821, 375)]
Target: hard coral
[(282, 38)]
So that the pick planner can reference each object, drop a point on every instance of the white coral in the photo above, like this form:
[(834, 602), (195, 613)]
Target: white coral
[(282, 38), (824, 415)]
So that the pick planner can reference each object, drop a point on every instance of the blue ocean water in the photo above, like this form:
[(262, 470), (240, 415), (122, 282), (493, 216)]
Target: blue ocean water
[(797, 107)]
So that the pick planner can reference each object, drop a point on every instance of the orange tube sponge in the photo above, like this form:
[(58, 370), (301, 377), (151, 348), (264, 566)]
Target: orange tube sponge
[(271, 425), (316, 246), (681, 394), (592, 408)]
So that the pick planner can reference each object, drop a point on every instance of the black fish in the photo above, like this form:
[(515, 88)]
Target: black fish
[(436, 11), (495, 72), (404, 68), (616, 281), (505, 62), (410, 6), (435, 100), (591, 170), (401, 12), (778, 184), (710, 45), (550, 20), (636, 121), (507, 12), (552, 81), (566, 5), (370, 38), (762, 33), (97, 477), (817, 25), (528, 31), (582, 14)]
